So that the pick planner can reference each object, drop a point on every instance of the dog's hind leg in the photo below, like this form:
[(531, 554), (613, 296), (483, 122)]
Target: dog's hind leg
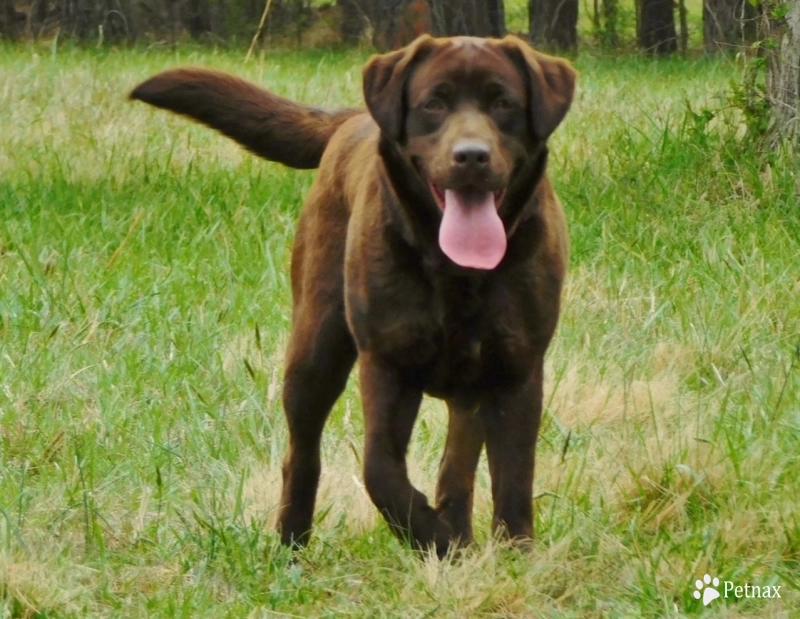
[(319, 360), (454, 491)]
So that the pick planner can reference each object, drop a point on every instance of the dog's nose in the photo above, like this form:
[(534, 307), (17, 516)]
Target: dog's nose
[(471, 153)]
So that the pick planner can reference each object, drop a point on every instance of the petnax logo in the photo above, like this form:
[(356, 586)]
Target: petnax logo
[(708, 589)]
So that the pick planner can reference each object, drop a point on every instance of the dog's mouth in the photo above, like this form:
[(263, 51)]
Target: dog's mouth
[(471, 233), (439, 194)]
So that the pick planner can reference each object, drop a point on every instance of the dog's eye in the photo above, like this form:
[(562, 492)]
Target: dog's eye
[(434, 105), (501, 103)]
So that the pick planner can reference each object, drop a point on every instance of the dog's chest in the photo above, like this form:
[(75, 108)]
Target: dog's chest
[(480, 338), (461, 324), (459, 335)]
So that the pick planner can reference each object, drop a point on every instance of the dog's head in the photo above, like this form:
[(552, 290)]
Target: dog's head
[(470, 117)]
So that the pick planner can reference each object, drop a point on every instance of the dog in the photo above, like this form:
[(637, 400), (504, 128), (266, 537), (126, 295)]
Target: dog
[(431, 249)]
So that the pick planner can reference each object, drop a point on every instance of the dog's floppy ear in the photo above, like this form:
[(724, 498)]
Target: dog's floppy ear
[(551, 84), (385, 77)]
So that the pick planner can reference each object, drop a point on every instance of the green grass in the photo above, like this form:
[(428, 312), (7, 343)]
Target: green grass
[(144, 307)]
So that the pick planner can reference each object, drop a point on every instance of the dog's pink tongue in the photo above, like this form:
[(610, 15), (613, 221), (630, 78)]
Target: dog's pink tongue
[(472, 234)]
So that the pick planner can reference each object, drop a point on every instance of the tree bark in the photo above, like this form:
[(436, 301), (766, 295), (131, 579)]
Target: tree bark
[(354, 20), (783, 67), (197, 17), (396, 23), (610, 23), (728, 24), (554, 23), (9, 20), (684, 22), (657, 35), (37, 17), (478, 18)]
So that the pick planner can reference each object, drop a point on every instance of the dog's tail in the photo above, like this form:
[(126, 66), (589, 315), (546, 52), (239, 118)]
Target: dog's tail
[(268, 125)]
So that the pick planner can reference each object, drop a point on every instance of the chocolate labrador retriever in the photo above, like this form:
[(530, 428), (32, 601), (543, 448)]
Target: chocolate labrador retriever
[(432, 249)]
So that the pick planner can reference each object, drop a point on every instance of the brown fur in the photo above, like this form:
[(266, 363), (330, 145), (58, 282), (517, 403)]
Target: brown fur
[(370, 282), (267, 125)]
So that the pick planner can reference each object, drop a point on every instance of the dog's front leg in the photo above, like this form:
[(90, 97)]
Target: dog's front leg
[(511, 419), (455, 489), (391, 403)]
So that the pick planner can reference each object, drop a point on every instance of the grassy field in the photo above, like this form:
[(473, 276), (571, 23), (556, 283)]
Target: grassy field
[(144, 308)]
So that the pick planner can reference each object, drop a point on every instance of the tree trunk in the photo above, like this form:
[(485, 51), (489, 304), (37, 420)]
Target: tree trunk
[(37, 17), (783, 67), (385, 15), (354, 20), (9, 20), (396, 23), (657, 34), (479, 18), (197, 17), (684, 22), (554, 23), (728, 24), (610, 24)]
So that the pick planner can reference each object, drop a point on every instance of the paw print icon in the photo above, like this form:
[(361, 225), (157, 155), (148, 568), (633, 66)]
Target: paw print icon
[(706, 589)]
